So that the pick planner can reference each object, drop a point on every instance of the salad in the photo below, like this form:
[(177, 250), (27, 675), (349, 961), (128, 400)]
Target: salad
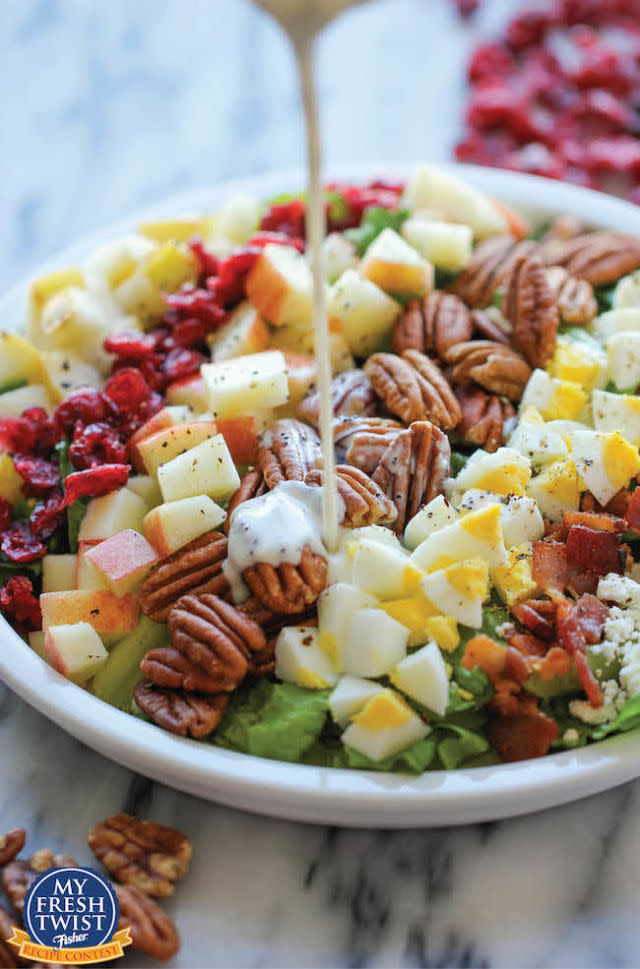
[(161, 532)]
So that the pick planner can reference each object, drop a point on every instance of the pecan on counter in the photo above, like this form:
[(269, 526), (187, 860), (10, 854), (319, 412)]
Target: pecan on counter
[(7, 953), (362, 441), (365, 503), (287, 450), (413, 388), (490, 265), (148, 855), (152, 930), (497, 368), (433, 324), (532, 309), (288, 588), (11, 844), (194, 568), (252, 485), (19, 875), (598, 257), (412, 469), (485, 417), (351, 394), (577, 303), (178, 711)]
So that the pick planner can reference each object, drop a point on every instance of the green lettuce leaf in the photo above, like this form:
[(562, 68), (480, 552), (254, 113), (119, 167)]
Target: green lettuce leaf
[(374, 221), (464, 745), (627, 719), (276, 720), (413, 760)]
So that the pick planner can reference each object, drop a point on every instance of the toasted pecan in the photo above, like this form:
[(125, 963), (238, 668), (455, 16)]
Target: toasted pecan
[(252, 485), (178, 711), (351, 394), (288, 588), (152, 931), (7, 954), (166, 666), (491, 325), (11, 844), (194, 568), (433, 324), (497, 368), (599, 257), (363, 440), (287, 450), (413, 388), (531, 307), (412, 469), (148, 855), (491, 264), (577, 303), (19, 875), (365, 503), (485, 417)]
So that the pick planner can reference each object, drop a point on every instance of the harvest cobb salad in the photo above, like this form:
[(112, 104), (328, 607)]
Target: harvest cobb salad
[(161, 479)]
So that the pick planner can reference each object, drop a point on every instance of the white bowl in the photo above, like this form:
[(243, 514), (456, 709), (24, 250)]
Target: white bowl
[(326, 795)]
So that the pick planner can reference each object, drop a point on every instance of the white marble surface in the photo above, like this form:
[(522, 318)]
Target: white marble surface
[(109, 106)]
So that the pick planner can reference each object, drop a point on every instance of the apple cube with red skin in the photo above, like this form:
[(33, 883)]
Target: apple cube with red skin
[(168, 443), (241, 437), (244, 332), (170, 526), (190, 391), (123, 560), (88, 579), (75, 650), (167, 417), (206, 469), (111, 616)]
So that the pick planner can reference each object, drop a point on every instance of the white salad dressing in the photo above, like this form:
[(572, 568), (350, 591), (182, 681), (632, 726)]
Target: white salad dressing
[(302, 20), (275, 528)]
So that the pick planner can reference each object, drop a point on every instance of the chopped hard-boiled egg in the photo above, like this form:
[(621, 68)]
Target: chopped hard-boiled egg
[(459, 590), (623, 353), (623, 320), (627, 292), (537, 440), (395, 266), (423, 676), (444, 631), (384, 570), (581, 361), (514, 581), (505, 472), (556, 489), (617, 412), (349, 697), (300, 660), (384, 726), (477, 535), (336, 607), (374, 643), (436, 514), (555, 399), (413, 613), (606, 462), (519, 515)]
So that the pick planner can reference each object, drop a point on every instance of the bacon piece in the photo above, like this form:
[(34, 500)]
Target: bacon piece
[(632, 514), (592, 615), (557, 662), (522, 736), (549, 566), (598, 521), (596, 551), (537, 615), (572, 638), (486, 654), (517, 667), (527, 644)]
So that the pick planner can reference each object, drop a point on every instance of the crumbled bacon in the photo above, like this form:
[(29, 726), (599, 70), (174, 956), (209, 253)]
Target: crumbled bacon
[(522, 736), (557, 662), (632, 514), (549, 566), (537, 615), (597, 551), (598, 521), (572, 622)]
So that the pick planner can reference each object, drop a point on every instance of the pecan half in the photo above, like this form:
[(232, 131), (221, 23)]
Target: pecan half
[(413, 388), (7, 954), (491, 325), (577, 303), (497, 368), (252, 485), (19, 875), (194, 568), (363, 440), (365, 503), (531, 308), (11, 844), (152, 930), (288, 588), (599, 257), (564, 227), (432, 324), (142, 853), (412, 469), (187, 714), (484, 417), (287, 450), (215, 637), (351, 393), (168, 667), (491, 264)]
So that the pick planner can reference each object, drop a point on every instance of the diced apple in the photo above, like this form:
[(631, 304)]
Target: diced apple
[(111, 514), (241, 435), (165, 445), (167, 417), (146, 488), (300, 660), (59, 573), (239, 218), (191, 391), (423, 676), (123, 560), (87, 576), (338, 255), (364, 312), (43, 288), (177, 230), (302, 373), (446, 245), (170, 526), (245, 332), (64, 372), (168, 267), (336, 606), (280, 286), (76, 650), (20, 362), (350, 696), (14, 402), (112, 262), (36, 642), (431, 187), (110, 615), (239, 386), (207, 469), (374, 643), (10, 481), (294, 339), (395, 266)]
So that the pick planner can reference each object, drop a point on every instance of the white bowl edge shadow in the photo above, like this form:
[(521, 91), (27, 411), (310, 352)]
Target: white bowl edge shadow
[(294, 791)]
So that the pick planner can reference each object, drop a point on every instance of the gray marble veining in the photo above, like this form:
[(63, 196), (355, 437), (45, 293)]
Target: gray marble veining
[(109, 106)]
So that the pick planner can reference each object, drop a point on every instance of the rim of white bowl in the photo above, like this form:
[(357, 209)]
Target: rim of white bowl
[(295, 791)]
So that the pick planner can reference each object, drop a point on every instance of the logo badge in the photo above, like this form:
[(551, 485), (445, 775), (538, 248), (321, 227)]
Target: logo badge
[(71, 915)]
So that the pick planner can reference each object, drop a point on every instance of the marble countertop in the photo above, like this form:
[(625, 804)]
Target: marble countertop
[(111, 106)]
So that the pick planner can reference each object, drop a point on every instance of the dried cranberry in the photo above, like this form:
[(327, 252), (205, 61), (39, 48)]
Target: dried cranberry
[(47, 516), (31, 433), (5, 514), (130, 344), (19, 544), (489, 62), (530, 28), (262, 239), (96, 444), (356, 199), (38, 474), (179, 364), (288, 218), (187, 334), (229, 286), (19, 604), (196, 302), (207, 262), (95, 482), (86, 405), (126, 392)]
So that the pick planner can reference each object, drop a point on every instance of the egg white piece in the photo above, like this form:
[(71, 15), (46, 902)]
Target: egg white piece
[(423, 676), (504, 472), (617, 412), (537, 440), (384, 570), (336, 606), (459, 590), (349, 697), (300, 660), (385, 726), (374, 643), (556, 489), (476, 535), (553, 398), (626, 295), (519, 515), (605, 462), (619, 320), (623, 353), (436, 514)]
